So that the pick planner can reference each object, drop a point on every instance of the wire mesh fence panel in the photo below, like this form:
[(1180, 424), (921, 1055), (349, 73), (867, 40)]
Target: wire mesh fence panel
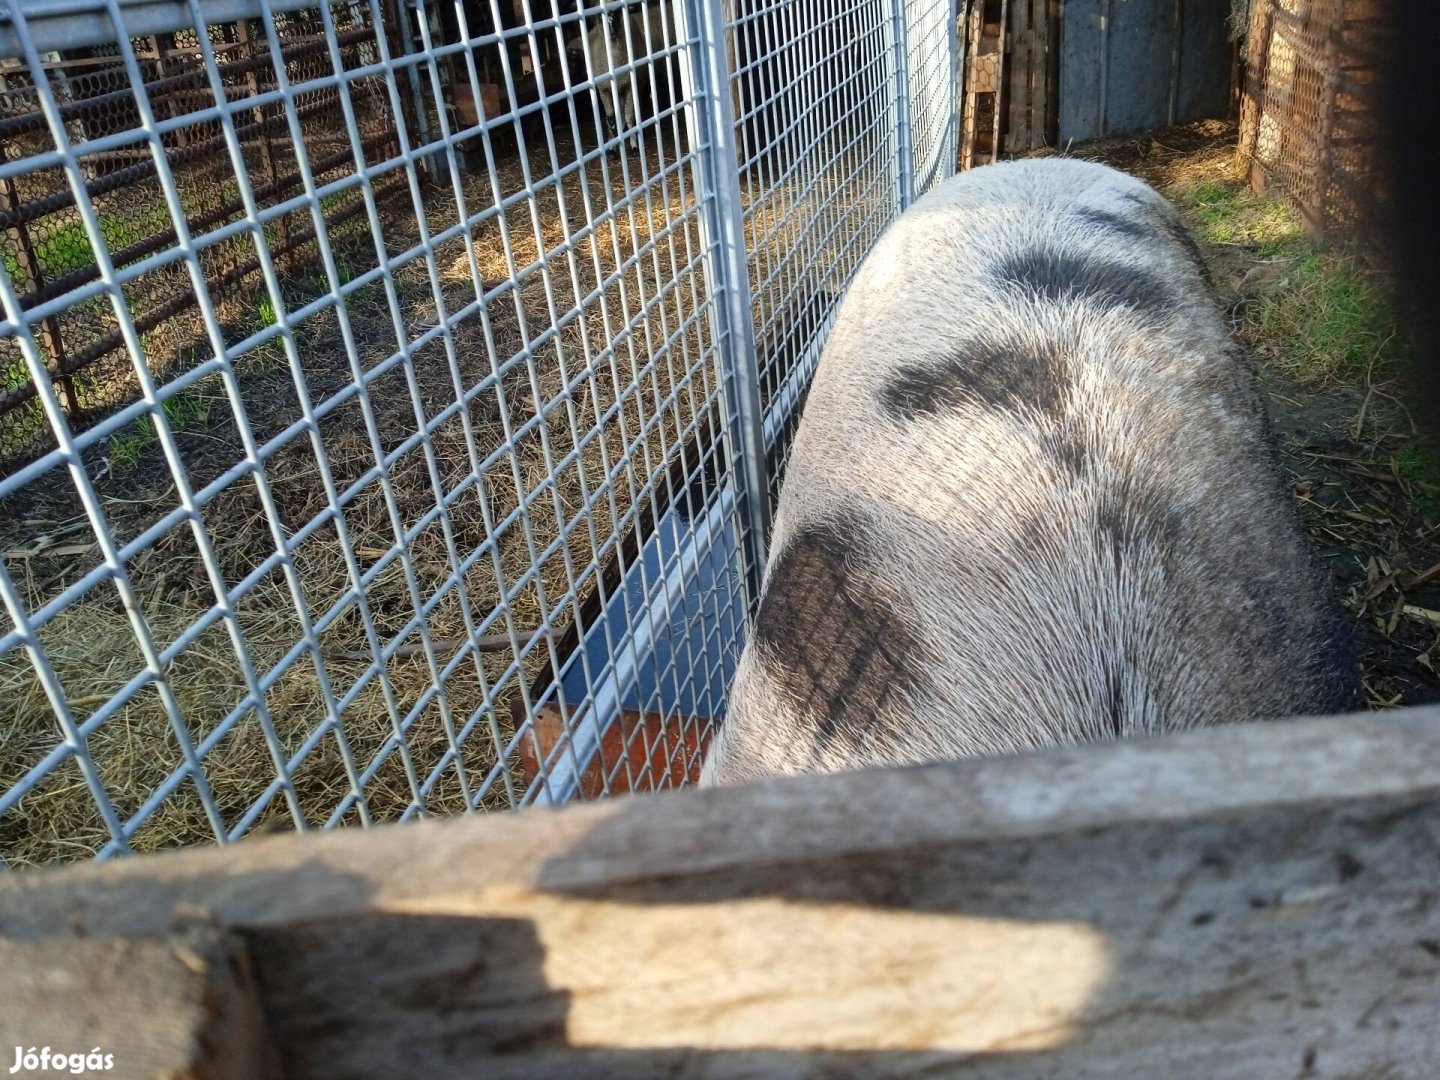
[(46, 246), (821, 177), (387, 393), (1306, 118), (932, 81)]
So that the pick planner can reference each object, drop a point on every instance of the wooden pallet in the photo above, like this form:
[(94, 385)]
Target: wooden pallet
[(1011, 78), (1033, 75), (980, 108)]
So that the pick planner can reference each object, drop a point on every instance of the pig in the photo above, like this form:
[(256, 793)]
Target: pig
[(1033, 500)]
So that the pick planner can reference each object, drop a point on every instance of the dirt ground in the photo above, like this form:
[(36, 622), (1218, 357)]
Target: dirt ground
[(1332, 362)]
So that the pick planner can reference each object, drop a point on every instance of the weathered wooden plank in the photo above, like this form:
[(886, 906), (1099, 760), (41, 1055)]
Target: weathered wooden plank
[(1082, 39), (1252, 98), (462, 97), (976, 73), (1017, 139), (679, 834), (1002, 49), (1051, 97), (1039, 73), (1205, 61), (180, 1007), (1254, 901)]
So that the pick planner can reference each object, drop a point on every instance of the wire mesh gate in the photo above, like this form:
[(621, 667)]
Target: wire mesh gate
[(462, 505)]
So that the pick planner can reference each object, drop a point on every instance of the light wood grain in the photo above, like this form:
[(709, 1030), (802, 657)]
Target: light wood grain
[(183, 1007), (1256, 901)]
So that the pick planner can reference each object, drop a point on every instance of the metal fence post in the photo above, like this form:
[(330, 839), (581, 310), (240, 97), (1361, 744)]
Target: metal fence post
[(28, 276), (541, 411), (954, 33), (267, 151), (722, 220), (904, 129)]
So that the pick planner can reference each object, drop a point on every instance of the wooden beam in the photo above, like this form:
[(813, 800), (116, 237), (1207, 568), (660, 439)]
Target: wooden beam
[(1255, 88), (182, 1006), (1259, 900), (980, 77), (998, 116)]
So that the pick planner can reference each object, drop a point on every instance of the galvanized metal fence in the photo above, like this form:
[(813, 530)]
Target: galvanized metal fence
[(45, 247), (469, 510)]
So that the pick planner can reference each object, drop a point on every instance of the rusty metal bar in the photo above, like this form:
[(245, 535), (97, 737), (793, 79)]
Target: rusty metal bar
[(267, 152), (32, 278), (83, 357), (140, 171), (33, 121), (167, 238)]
